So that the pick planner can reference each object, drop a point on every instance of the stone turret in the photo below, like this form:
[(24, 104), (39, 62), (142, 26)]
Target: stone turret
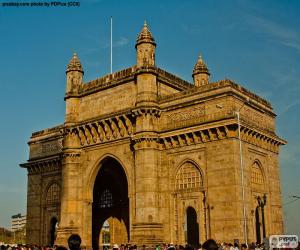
[(74, 75), (200, 73), (145, 47)]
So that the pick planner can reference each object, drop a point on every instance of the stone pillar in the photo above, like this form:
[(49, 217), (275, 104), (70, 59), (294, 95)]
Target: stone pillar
[(146, 228), (70, 215), (146, 225)]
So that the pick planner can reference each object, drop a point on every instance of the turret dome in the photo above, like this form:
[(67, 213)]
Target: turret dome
[(74, 64), (200, 67), (145, 36)]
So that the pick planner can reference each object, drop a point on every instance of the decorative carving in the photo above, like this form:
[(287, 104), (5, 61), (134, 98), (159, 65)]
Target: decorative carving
[(128, 124), (107, 130), (121, 126), (94, 133), (48, 165), (115, 129), (101, 132)]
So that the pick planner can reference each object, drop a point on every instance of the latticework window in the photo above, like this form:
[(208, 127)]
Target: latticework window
[(106, 199), (256, 174), (53, 194), (188, 177)]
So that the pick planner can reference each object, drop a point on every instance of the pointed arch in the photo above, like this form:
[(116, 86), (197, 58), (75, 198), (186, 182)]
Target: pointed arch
[(257, 175), (95, 170), (188, 176), (53, 192)]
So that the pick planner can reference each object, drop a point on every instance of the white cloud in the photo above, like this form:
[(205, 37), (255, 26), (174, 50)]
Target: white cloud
[(287, 107), (121, 42), (277, 32)]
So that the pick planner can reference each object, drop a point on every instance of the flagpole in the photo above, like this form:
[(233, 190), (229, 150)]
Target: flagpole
[(111, 44)]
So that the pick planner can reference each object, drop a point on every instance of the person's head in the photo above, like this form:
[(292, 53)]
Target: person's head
[(210, 245), (74, 242), (244, 247), (61, 248)]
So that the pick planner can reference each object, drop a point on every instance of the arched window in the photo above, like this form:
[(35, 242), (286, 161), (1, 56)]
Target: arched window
[(188, 176), (53, 195), (256, 174)]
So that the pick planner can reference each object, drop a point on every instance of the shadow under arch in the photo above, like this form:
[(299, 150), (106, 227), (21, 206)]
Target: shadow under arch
[(52, 233), (110, 199), (192, 227)]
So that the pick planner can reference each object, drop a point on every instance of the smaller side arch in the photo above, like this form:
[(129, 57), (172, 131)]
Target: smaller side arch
[(188, 160), (188, 175), (257, 175), (52, 194)]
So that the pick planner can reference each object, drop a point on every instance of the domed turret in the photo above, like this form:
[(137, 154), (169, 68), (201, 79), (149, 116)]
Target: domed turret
[(145, 46), (200, 73), (74, 74), (145, 36), (75, 64)]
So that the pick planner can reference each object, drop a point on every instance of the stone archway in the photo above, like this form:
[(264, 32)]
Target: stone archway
[(110, 202), (192, 227)]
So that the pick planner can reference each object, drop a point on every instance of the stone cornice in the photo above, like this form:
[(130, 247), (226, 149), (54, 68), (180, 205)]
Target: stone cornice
[(47, 133), (214, 86), (49, 164), (197, 135), (146, 110), (128, 75)]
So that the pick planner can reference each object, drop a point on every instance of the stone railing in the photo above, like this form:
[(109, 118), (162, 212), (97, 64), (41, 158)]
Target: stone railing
[(174, 79), (47, 131), (108, 80), (212, 86), (114, 78)]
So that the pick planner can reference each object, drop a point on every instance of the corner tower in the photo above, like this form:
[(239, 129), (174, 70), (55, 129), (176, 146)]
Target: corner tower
[(145, 48), (74, 74), (200, 73)]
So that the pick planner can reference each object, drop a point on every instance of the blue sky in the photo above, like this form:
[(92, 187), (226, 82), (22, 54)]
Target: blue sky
[(255, 43)]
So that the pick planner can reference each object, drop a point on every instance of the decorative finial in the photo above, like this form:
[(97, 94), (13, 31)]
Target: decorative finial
[(74, 64), (200, 66), (200, 58), (145, 36)]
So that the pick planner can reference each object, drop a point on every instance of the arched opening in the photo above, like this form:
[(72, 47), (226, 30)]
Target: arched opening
[(104, 238), (259, 201), (257, 226), (110, 203), (53, 224), (192, 227)]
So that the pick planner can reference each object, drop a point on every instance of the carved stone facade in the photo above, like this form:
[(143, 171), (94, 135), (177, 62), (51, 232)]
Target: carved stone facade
[(156, 157)]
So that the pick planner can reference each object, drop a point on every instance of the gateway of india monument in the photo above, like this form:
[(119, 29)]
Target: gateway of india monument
[(151, 158)]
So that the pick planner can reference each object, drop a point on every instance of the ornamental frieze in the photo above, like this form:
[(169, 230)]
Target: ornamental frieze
[(109, 129), (257, 119), (45, 148)]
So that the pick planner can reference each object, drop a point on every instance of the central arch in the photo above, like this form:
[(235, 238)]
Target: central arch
[(110, 202)]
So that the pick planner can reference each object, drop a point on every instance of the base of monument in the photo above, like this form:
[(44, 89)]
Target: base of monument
[(147, 234)]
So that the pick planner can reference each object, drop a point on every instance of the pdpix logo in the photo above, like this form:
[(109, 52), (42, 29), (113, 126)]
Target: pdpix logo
[(283, 241)]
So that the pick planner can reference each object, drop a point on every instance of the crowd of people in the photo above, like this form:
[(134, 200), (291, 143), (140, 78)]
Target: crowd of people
[(74, 243)]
